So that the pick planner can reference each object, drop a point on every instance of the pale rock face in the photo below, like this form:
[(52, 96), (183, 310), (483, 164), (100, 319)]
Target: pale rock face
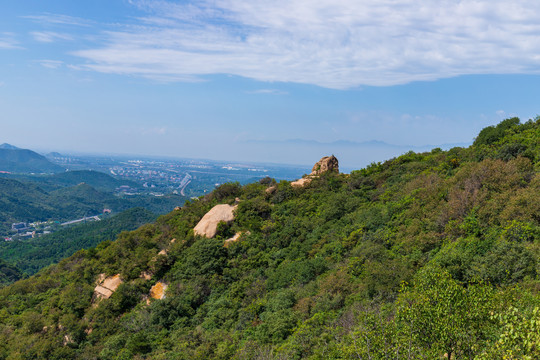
[(107, 286), (327, 163), (236, 237), (302, 182), (208, 224)]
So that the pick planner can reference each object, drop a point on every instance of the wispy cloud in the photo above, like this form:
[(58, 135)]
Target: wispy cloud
[(51, 64), (7, 41), (49, 36), (268, 91), (331, 43), (58, 19)]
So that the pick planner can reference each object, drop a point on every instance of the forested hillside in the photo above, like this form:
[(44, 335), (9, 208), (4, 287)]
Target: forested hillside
[(17, 160), (8, 273), (31, 255), (27, 200), (425, 256)]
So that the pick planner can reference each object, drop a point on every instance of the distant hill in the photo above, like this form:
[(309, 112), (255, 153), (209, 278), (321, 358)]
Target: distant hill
[(96, 179), (8, 147), (28, 201), (53, 154), (17, 160)]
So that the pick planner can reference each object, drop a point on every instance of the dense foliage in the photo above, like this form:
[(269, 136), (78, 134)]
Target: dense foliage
[(8, 273), (34, 254), (425, 256)]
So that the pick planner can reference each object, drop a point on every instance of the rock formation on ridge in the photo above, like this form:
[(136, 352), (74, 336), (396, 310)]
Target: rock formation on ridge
[(327, 163)]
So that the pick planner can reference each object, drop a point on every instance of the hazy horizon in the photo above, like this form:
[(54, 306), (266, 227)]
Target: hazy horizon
[(238, 81)]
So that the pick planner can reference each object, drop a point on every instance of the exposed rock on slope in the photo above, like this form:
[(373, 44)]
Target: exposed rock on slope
[(107, 286), (236, 237), (327, 163), (302, 182), (158, 291), (208, 224)]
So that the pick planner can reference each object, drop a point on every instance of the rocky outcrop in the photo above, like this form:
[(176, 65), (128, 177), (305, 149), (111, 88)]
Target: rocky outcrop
[(327, 163), (236, 237), (158, 290), (146, 275), (107, 285), (302, 182), (208, 224)]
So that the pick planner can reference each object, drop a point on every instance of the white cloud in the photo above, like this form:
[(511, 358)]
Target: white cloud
[(49, 36), (7, 41), (331, 43)]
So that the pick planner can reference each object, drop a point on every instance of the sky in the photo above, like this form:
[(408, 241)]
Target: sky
[(264, 81)]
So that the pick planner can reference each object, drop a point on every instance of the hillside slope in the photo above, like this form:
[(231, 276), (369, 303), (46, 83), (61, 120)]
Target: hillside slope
[(8, 273), (32, 255), (25, 161), (29, 201), (425, 256)]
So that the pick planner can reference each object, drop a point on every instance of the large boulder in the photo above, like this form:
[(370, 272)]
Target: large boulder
[(327, 163), (208, 224)]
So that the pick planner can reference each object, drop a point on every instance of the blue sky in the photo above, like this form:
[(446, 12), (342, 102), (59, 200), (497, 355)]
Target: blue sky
[(280, 81)]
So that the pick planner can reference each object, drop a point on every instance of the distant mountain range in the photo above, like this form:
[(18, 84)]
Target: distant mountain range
[(360, 144), (15, 160)]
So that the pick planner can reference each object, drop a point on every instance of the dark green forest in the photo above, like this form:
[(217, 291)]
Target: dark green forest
[(425, 256), (31, 255), (8, 273)]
